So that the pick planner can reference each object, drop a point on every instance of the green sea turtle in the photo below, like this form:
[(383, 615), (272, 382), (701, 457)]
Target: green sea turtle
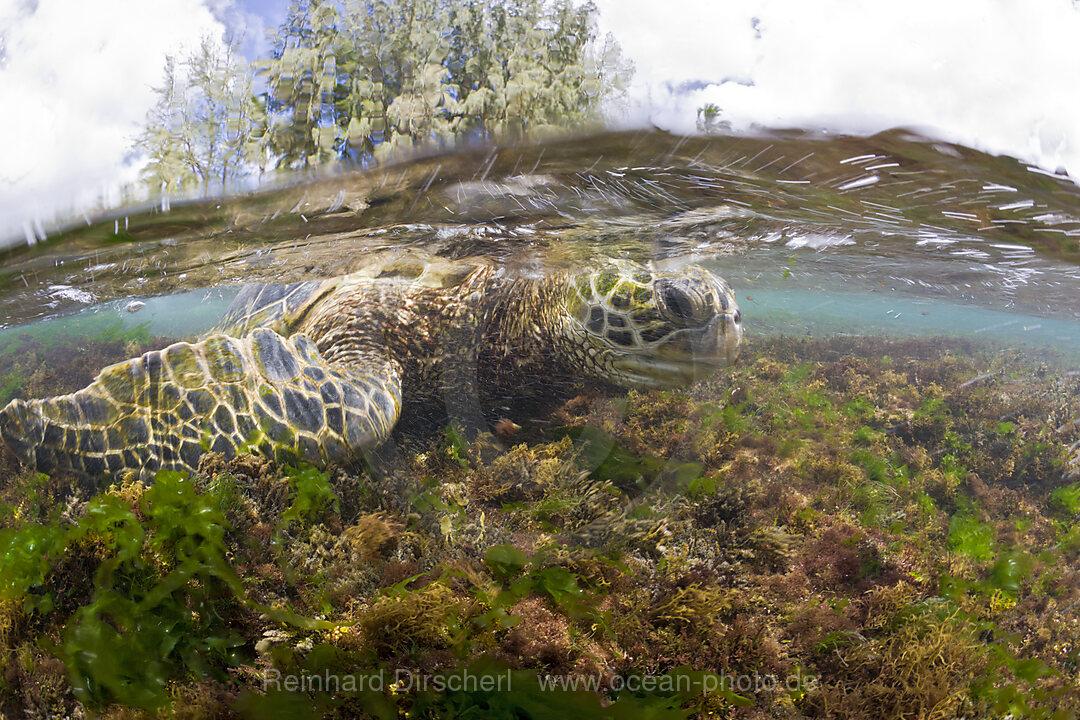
[(318, 371)]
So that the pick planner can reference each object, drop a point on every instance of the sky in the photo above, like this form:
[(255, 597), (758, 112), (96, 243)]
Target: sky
[(76, 81), (77, 77)]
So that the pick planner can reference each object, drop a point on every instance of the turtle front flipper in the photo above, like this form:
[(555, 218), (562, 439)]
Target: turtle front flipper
[(262, 392)]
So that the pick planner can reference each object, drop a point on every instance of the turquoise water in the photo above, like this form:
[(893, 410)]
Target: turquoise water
[(184, 315), (768, 312), (806, 312)]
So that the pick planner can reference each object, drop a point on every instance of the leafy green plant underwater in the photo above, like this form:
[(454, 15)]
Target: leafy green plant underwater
[(163, 590), (164, 600)]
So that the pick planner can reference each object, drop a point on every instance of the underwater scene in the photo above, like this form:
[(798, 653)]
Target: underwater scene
[(630, 425)]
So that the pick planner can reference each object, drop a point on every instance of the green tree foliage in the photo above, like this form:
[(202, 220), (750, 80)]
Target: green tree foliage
[(204, 131), (355, 80)]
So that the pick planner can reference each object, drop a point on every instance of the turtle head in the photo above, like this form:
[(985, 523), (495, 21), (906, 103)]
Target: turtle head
[(645, 328)]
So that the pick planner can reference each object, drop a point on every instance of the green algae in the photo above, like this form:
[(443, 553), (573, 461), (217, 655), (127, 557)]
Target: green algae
[(1068, 498), (312, 494), (969, 535)]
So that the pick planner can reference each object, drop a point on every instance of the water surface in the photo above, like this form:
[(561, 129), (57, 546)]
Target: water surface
[(890, 234)]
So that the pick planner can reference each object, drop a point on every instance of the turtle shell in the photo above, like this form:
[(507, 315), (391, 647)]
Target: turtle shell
[(282, 307), (278, 307)]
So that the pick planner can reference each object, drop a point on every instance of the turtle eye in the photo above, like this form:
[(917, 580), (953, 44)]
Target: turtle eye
[(738, 316), (678, 303)]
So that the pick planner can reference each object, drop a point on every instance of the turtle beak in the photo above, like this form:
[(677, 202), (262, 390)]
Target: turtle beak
[(732, 333), (710, 348), (719, 341)]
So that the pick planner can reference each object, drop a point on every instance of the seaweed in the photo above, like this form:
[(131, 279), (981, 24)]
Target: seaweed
[(842, 523)]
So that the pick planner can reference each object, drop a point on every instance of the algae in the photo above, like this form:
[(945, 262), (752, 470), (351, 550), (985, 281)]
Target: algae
[(835, 527)]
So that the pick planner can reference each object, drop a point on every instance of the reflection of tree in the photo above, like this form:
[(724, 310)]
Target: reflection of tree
[(302, 84), (357, 79), (198, 135)]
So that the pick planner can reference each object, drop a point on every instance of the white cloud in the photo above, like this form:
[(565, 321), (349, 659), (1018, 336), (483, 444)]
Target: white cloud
[(76, 81), (1000, 76)]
